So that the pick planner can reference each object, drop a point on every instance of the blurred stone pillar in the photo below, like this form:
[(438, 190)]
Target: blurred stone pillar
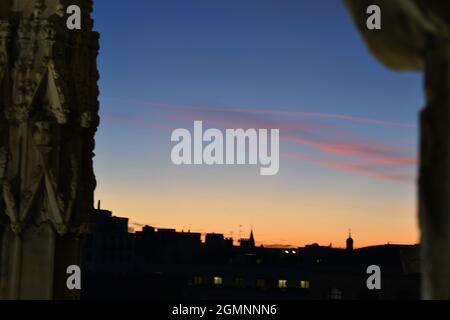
[(434, 182), (415, 36), (48, 119)]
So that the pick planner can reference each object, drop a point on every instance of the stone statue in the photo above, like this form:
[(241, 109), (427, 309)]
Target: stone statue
[(415, 35), (48, 119)]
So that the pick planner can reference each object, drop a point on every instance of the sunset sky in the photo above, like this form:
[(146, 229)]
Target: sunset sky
[(348, 126)]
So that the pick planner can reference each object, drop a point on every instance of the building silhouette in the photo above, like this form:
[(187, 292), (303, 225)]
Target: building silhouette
[(248, 244), (161, 264)]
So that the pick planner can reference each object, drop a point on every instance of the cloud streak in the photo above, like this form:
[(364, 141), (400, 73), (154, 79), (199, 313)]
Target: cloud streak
[(357, 154), (265, 112), (319, 115), (328, 143), (378, 153), (368, 169)]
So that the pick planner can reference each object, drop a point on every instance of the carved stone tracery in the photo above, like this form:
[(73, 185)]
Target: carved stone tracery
[(48, 119)]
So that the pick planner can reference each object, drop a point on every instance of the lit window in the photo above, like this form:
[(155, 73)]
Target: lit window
[(260, 283), (239, 282), (304, 284), (198, 280), (335, 294), (218, 281), (282, 284)]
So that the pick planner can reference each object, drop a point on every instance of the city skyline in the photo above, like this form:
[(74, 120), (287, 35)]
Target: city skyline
[(244, 234), (348, 127), (241, 233)]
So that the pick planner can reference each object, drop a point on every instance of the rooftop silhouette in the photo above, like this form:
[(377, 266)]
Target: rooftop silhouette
[(182, 265)]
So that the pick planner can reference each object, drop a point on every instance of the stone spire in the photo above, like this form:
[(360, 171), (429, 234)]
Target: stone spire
[(48, 119)]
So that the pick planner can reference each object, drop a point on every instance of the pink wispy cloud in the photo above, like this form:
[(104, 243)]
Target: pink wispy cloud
[(332, 148), (319, 115), (375, 152), (246, 122), (371, 170), (373, 159), (135, 121), (264, 112)]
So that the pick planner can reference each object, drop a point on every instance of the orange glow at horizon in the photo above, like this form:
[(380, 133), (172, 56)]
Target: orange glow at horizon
[(348, 125), (278, 219)]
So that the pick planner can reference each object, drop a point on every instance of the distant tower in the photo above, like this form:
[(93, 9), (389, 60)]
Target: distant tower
[(349, 241), (248, 244), (251, 240)]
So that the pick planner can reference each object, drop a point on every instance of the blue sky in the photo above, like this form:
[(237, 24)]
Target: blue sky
[(349, 122)]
